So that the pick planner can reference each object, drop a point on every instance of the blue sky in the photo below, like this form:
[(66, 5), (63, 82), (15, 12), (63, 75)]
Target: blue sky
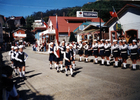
[(27, 7)]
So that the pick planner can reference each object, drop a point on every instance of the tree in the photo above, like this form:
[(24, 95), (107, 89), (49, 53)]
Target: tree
[(72, 37)]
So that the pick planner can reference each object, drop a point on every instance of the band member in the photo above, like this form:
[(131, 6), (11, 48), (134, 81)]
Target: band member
[(86, 50), (20, 57), (72, 53), (101, 48), (95, 50), (80, 50), (107, 51), (115, 51), (10, 54), (57, 58), (68, 58), (120, 45), (14, 60), (51, 54), (123, 49), (133, 47), (62, 51)]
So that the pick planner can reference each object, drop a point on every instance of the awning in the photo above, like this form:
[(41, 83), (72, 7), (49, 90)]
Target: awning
[(92, 31)]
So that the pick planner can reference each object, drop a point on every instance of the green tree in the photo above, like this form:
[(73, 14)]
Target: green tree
[(72, 37)]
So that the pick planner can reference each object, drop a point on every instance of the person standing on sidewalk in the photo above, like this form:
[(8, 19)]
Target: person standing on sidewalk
[(133, 47), (10, 54), (20, 57)]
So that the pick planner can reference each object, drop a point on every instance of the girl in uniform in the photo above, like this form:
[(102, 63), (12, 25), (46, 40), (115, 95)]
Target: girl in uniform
[(107, 51), (101, 48), (95, 51), (80, 50), (115, 51), (14, 60), (133, 47), (56, 57), (62, 51), (72, 53), (68, 58), (123, 50), (86, 50), (20, 57), (51, 54), (10, 54)]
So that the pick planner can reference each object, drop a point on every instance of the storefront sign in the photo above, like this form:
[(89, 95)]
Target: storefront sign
[(90, 14)]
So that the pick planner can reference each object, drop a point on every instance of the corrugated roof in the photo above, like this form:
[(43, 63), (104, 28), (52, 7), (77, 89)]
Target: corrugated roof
[(63, 22)]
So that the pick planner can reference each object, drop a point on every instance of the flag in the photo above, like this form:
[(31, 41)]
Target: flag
[(113, 13), (68, 31), (57, 38), (44, 23)]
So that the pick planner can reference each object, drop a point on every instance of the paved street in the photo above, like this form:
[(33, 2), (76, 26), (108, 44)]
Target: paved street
[(91, 82)]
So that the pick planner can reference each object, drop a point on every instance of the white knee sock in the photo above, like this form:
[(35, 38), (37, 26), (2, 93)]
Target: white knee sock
[(20, 74), (134, 66), (66, 71), (23, 73), (116, 63), (87, 59), (71, 71), (107, 62), (124, 65), (57, 67), (15, 70), (50, 65), (102, 61), (80, 58), (61, 67), (73, 66)]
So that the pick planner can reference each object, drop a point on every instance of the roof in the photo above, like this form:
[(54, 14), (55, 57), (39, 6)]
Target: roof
[(39, 28), (65, 22), (119, 13), (18, 29)]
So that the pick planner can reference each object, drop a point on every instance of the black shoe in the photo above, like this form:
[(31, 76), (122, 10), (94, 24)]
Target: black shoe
[(24, 78), (66, 74), (50, 67), (72, 75), (115, 66), (57, 71), (62, 71), (16, 74)]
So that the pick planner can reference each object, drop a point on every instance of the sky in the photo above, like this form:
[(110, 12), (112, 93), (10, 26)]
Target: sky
[(27, 7)]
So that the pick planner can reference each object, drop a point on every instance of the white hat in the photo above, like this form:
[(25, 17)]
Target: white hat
[(108, 40), (102, 39), (134, 40), (120, 40), (70, 45), (63, 42), (21, 46), (80, 40), (12, 47), (124, 40), (114, 40), (51, 43), (67, 47), (95, 40), (15, 47)]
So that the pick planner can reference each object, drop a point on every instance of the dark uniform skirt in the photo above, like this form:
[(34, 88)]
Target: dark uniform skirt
[(80, 52), (56, 59), (15, 63), (61, 57), (51, 57), (67, 63), (107, 53), (86, 52), (115, 54), (133, 57), (95, 52), (124, 55), (102, 53), (21, 64)]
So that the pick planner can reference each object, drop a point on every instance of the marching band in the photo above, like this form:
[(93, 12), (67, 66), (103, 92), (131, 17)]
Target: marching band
[(102, 48)]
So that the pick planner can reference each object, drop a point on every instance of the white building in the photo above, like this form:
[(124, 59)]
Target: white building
[(129, 18)]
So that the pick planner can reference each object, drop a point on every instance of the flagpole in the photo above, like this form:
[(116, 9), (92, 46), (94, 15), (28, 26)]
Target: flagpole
[(118, 19)]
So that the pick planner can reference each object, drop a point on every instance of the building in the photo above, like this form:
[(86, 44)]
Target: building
[(19, 34), (15, 21), (128, 24), (2, 22), (65, 25)]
